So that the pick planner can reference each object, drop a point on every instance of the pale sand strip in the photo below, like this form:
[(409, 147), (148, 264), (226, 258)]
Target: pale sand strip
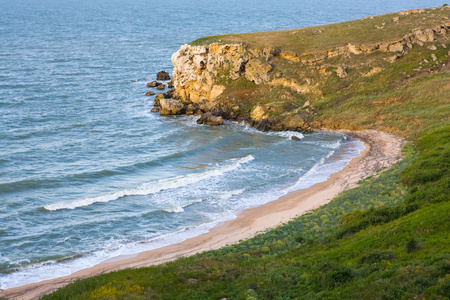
[(381, 150)]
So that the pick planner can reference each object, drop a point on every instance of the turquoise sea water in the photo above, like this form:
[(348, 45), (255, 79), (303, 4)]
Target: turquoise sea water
[(88, 173)]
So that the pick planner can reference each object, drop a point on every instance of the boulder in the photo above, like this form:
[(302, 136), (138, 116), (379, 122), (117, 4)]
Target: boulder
[(259, 113), (154, 83), (161, 87), (341, 71), (392, 59), (190, 109), (163, 75), (209, 119), (155, 109), (149, 93), (396, 47), (170, 84), (171, 107), (424, 36)]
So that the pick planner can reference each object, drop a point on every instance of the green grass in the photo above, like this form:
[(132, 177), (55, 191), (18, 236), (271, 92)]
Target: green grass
[(306, 40), (386, 239)]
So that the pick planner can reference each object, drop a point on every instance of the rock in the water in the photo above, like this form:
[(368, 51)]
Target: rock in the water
[(155, 109), (295, 138), (154, 83), (163, 75), (149, 93), (170, 84), (161, 87), (171, 107), (209, 119)]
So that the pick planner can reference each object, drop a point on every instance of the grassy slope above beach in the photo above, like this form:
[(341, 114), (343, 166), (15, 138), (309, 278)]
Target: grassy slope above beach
[(386, 239)]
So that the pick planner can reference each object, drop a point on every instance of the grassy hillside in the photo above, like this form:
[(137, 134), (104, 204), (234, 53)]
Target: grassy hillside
[(400, 92), (389, 238)]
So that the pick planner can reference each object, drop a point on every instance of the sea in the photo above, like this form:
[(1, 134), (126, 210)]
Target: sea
[(88, 173)]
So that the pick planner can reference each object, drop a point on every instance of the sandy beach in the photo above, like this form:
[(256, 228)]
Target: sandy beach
[(381, 151)]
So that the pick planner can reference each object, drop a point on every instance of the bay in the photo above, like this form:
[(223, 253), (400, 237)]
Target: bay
[(88, 173)]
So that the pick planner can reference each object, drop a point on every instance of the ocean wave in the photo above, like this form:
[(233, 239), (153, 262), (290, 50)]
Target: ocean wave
[(28, 272), (322, 169), (229, 194), (286, 134), (219, 195), (174, 209), (154, 186), (323, 144)]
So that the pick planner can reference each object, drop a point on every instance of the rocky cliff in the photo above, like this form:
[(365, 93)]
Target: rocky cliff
[(201, 72), (274, 87)]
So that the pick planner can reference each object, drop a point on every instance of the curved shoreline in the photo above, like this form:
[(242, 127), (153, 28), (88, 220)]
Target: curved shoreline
[(381, 150)]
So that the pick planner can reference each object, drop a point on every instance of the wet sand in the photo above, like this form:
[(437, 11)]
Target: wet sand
[(381, 150)]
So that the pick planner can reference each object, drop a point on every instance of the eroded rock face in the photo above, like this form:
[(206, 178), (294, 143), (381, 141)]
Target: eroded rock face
[(259, 113), (201, 71)]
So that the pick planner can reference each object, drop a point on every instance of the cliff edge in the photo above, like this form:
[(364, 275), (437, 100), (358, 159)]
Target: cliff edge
[(300, 85)]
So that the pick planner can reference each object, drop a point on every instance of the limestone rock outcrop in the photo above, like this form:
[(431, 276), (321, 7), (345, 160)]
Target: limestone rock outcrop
[(201, 72), (212, 80)]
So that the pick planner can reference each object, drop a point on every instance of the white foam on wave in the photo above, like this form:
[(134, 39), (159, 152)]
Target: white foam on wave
[(228, 195), (332, 145), (323, 169), (175, 208), (116, 251), (286, 134), (154, 186)]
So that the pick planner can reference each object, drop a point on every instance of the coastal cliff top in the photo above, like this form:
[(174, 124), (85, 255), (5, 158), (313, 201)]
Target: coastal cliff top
[(366, 30), (388, 72)]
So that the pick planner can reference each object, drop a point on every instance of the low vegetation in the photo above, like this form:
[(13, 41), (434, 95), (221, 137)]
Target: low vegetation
[(389, 238)]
